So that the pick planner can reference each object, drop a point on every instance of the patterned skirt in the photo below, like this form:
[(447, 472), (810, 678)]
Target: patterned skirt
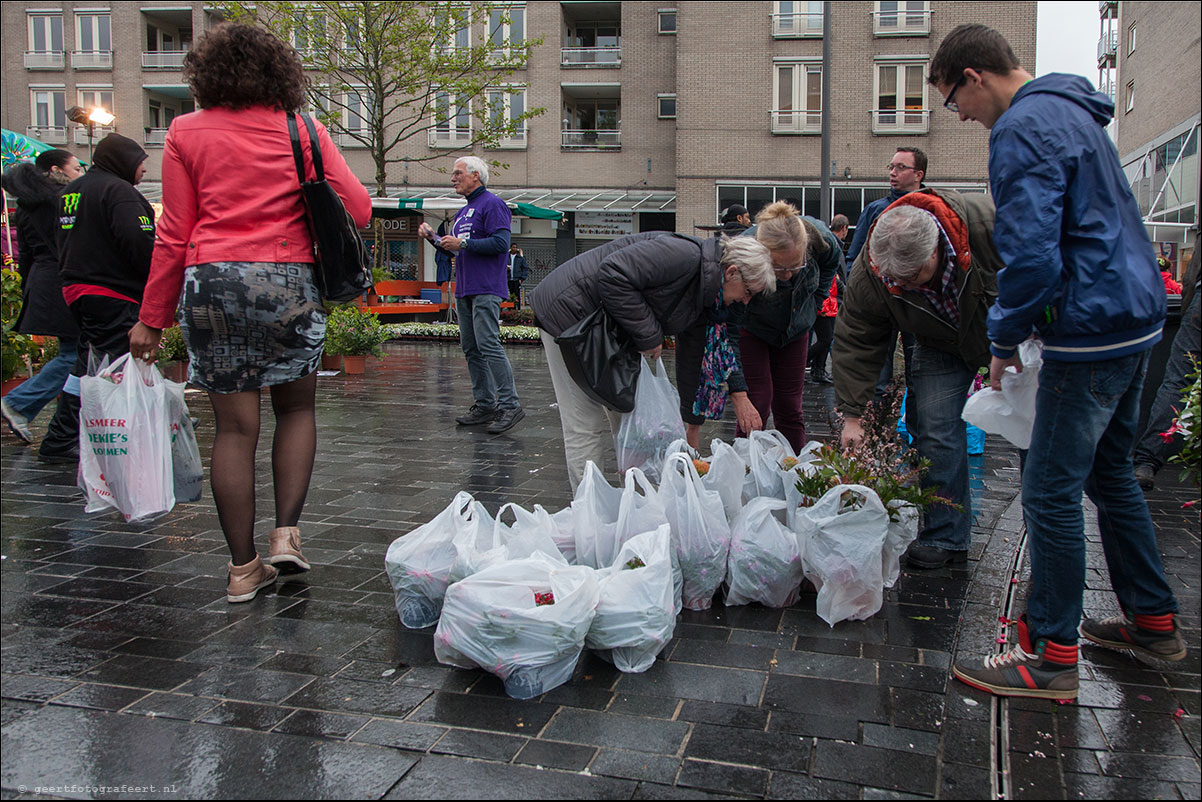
[(250, 325)]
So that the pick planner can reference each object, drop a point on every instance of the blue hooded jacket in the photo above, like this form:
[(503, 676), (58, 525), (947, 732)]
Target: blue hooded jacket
[(1080, 268)]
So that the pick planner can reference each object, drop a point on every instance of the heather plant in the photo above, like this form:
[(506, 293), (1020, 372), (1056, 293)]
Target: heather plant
[(1186, 424)]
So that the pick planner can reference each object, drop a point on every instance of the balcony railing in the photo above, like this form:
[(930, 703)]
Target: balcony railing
[(901, 23), (50, 134), (515, 142), (92, 59), (98, 133), (45, 59), (786, 26), (596, 139), (345, 140), (156, 137), (904, 121), (449, 137), (1108, 88), (1108, 46), (787, 121), (591, 56), (163, 59)]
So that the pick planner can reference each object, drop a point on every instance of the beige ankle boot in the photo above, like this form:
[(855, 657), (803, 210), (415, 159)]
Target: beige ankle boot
[(247, 580), (285, 550)]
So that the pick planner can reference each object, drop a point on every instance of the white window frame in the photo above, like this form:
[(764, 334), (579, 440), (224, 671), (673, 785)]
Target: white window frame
[(97, 57), (659, 105), (507, 29), (799, 119), (54, 131), (903, 121), (48, 57), (352, 106), (89, 97), (450, 132), (902, 15), (306, 49), (1131, 39), (789, 23), (663, 14), (505, 95), (1129, 105)]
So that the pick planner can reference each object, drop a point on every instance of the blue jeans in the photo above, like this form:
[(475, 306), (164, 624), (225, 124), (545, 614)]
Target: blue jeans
[(938, 386), (1151, 448), (480, 338), (1085, 419), (31, 396)]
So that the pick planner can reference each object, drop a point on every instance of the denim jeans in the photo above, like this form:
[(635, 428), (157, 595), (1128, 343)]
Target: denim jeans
[(31, 396), (938, 386), (1151, 448), (1085, 419), (480, 338)]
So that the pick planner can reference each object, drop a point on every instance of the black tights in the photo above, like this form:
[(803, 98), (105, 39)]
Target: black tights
[(232, 472)]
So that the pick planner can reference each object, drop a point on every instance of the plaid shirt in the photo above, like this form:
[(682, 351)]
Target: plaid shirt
[(944, 300)]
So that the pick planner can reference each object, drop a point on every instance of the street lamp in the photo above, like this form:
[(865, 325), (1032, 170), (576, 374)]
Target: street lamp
[(97, 116)]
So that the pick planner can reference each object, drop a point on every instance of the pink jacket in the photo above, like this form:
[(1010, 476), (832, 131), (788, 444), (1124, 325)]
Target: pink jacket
[(230, 194)]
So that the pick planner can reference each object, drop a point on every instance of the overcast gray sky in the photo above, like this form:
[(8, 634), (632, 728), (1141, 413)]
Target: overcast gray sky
[(1066, 38)]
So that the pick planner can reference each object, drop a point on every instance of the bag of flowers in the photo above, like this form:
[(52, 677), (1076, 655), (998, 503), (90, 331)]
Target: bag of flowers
[(843, 537), (700, 532), (647, 430), (765, 557), (530, 532), (523, 620)]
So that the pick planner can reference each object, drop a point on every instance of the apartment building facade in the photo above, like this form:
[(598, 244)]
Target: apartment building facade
[(658, 114)]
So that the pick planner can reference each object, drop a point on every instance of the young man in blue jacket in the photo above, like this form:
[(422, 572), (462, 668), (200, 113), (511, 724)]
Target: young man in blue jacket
[(1081, 275)]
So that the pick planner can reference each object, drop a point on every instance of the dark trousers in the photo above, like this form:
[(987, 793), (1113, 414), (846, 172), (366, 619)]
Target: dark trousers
[(775, 380), (104, 325), (824, 328)]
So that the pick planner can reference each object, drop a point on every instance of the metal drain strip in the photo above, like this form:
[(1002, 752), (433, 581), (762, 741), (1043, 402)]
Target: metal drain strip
[(1000, 713)]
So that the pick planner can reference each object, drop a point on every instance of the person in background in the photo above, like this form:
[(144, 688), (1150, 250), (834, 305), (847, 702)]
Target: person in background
[(1171, 287), (236, 258), (735, 219), (480, 241), (105, 237), (517, 273), (37, 186), (906, 173), (1080, 271), (824, 323)]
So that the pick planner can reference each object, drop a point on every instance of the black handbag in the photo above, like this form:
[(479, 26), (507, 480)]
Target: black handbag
[(602, 360), (343, 263)]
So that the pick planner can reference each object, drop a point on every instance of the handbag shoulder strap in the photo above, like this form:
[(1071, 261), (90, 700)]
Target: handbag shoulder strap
[(294, 137), (314, 148)]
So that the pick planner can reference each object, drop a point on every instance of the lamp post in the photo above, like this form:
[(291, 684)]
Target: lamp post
[(97, 116)]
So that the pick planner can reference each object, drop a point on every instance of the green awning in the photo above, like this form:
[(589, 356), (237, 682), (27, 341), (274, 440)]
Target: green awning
[(538, 212)]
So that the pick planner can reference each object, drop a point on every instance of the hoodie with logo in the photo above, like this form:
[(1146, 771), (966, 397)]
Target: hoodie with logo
[(106, 227), (1080, 269)]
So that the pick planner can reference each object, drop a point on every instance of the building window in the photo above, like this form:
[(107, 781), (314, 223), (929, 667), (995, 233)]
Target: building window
[(667, 106), (99, 97), (901, 98), (49, 115), (505, 105), (1131, 39), (506, 29), (796, 19), (592, 123), (798, 94), (94, 40), (45, 42), (667, 20), (452, 121), (1130, 96), (902, 18), (356, 118), (593, 44)]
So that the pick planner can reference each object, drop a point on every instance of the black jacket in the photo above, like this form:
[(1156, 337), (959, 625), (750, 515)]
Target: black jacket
[(106, 227), (43, 310)]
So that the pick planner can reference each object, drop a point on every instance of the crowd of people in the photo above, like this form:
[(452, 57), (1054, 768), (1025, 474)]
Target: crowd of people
[(1057, 251)]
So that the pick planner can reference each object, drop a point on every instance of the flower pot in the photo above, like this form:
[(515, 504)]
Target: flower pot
[(373, 299), (175, 371), (331, 361), (11, 384), (354, 364)]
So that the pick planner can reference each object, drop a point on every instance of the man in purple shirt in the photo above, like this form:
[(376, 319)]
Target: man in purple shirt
[(479, 239)]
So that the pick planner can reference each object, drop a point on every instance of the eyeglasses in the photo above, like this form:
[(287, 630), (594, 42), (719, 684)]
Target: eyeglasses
[(950, 104), (901, 168)]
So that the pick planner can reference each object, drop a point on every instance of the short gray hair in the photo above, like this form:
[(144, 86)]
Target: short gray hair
[(753, 260), (474, 164), (902, 241)]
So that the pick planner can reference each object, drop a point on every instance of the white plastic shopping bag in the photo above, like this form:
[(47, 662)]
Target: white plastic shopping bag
[(523, 620), (1011, 412), (765, 557), (125, 440), (843, 538), (636, 614), (899, 534), (187, 470), (726, 474), (419, 563), (483, 548), (594, 520), (653, 425), (805, 465), (700, 532), (766, 453)]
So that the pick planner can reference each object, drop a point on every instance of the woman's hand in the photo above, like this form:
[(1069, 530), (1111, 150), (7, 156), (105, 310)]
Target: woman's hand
[(144, 342), (746, 414), (652, 354)]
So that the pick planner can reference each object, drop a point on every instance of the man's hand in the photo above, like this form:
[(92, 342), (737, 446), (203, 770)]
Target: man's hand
[(652, 354), (853, 433), (144, 342), (453, 244), (746, 414), (997, 368)]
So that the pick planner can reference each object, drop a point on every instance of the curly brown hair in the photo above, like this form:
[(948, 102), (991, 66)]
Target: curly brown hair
[(236, 66)]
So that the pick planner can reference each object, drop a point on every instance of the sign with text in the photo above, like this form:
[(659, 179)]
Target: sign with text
[(604, 224)]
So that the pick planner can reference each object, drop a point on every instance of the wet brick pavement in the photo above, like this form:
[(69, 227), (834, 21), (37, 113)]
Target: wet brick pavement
[(124, 666)]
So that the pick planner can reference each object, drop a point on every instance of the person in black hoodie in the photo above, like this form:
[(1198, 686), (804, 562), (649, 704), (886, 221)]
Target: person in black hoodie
[(105, 238), (43, 311)]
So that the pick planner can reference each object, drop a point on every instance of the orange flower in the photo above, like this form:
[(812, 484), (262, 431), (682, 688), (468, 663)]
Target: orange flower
[(702, 467)]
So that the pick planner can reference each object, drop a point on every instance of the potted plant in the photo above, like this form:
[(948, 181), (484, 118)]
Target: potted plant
[(17, 347), (378, 274), (354, 333), (173, 355)]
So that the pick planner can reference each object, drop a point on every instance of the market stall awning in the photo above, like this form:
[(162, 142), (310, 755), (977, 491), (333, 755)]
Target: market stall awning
[(442, 204), (562, 200)]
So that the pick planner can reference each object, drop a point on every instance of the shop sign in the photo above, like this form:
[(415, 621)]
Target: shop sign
[(604, 224)]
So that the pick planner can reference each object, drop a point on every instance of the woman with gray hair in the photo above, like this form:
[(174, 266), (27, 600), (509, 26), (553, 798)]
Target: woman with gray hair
[(652, 285)]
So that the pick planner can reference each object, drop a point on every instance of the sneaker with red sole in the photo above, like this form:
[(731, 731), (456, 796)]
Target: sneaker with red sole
[(1045, 670)]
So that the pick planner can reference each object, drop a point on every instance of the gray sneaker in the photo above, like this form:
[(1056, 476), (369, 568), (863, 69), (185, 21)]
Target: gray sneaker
[(1119, 632), (16, 421), (506, 419)]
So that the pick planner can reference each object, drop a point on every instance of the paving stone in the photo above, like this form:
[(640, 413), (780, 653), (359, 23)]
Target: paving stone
[(817, 664), (786, 785), (399, 734), (321, 725), (901, 740), (11, 710), (93, 588), (251, 685), (1130, 731), (619, 732), (483, 745), (958, 781), (482, 713), (313, 664), (1034, 777), (769, 750), (172, 705), (653, 706), (866, 765), (967, 742), (440, 678), (556, 755), (722, 778), (842, 728), (33, 689), (686, 681), (55, 660), (245, 715), (711, 653), (438, 777), (1152, 767), (144, 672), (157, 647), (352, 696), (636, 766), (99, 697), (827, 697), (649, 790), (576, 696)]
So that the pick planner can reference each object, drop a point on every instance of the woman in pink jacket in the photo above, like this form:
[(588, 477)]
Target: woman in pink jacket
[(235, 256)]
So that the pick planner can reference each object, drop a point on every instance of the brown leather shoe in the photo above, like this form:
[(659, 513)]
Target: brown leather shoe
[(247, 580), (285, 550)]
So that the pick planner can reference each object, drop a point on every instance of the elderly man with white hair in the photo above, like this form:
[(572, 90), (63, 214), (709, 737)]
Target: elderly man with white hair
[(479, 239), (929, 269)]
